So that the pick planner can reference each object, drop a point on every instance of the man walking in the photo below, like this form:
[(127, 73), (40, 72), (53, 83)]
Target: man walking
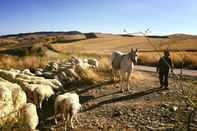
[(163, 66)]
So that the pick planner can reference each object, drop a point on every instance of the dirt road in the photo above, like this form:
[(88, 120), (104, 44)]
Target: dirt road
[(186, 72), (145, 107)]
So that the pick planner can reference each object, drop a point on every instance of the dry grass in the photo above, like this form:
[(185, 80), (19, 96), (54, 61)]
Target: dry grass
[(101, 48), (7, 41), (188, 59), (90, 76), (8, 62), (105, 65), (105, 46), (102, 45), (87, 76), (109, 44)]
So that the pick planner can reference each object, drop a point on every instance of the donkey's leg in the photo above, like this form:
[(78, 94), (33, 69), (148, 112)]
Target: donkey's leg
[(71, 121), (113, 74), (128, 80), (121, 76), (124, 82), (115, 77), (76, 118)]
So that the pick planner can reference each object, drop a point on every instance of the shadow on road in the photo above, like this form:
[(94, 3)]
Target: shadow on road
[(125, 98), (99, 85)]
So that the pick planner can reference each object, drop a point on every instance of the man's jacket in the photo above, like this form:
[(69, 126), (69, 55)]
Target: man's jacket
[(164, 64)]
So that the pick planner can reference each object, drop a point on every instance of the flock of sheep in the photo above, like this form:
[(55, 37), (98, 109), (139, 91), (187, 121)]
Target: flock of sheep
[(22, 93)]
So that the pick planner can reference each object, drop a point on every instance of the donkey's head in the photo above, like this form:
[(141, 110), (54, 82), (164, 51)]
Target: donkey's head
[(133, 55)]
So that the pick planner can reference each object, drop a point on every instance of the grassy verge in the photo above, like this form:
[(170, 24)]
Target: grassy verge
[(187, 59), (8, 62)]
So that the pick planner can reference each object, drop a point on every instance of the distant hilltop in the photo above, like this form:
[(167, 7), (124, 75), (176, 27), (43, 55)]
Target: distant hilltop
[(90, 34), (43, 33), (183, 35)]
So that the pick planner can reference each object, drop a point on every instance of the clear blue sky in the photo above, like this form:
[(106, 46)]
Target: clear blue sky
[(161, 16)]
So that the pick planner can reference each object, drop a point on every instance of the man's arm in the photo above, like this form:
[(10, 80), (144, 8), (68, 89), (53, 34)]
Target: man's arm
[(171, 65), (158, 65)]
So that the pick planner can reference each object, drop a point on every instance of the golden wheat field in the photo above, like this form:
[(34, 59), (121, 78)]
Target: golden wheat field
[(109, 44), (149, 48)]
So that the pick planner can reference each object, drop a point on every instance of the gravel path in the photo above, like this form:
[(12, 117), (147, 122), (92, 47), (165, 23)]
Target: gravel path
[(186, 72)]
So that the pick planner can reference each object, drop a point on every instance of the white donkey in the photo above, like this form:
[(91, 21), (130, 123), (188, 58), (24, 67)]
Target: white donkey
[(122, 65)]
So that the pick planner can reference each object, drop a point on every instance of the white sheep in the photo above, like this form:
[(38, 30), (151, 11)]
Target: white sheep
[(82, 66), (71, 73), (19, 97), (27, 72), (25, 118), (12, 98), (54, 83), (68, 105), (5, 93), (28, 77), (85, 60), (15, 70), (8, 75), (21, 81), (28, 116), (74, 60), (23, 76), (42, 92), (28, 88), (35, 96), (6, 103)]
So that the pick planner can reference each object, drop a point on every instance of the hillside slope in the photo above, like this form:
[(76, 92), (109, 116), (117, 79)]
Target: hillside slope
[(109, 44)]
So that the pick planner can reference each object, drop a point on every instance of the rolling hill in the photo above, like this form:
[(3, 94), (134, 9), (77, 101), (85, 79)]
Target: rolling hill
[(124, 43), (102, 43)]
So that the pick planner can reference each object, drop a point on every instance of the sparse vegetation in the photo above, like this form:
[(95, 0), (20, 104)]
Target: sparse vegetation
[(105, 65), (184, 49), (188, 59), (88, 76), (33, 62)]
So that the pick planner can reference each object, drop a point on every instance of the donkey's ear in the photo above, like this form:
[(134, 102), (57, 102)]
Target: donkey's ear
[(132, 50), (136, 50)]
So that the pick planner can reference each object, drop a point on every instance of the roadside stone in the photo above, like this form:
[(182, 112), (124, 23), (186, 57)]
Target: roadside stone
[(173, 108)]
